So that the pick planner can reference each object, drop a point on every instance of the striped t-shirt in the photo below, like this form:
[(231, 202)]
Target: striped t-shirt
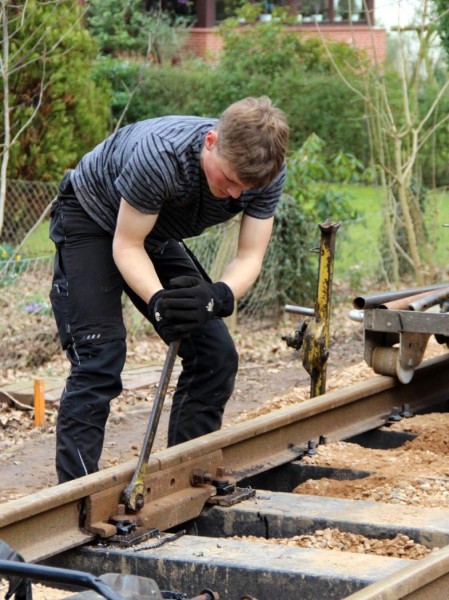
[(155, 166)]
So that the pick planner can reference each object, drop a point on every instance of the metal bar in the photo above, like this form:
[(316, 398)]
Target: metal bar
[(43, 524), (374, 300), (406, 321), (403, 303), (299, 310), (356, 315), (134, 495), (430, 300)]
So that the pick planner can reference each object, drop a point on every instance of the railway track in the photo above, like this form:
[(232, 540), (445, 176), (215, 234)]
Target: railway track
[(194, 519)]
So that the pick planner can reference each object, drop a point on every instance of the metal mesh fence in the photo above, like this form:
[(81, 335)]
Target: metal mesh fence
[(25, 203), (27, 330)]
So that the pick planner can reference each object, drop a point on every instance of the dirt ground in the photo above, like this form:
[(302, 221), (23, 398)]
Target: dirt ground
[(416, 473), (271, 375)]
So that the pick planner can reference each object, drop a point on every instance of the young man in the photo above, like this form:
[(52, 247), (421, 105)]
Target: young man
[(118, 225)]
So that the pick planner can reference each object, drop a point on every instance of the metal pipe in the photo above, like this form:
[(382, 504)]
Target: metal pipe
[(373, 300), (429, 300), (299, 310), (403, 303), (356, 315)]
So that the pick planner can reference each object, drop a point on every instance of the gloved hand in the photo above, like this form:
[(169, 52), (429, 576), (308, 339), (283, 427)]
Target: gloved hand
[(161, 324), (189, 304)]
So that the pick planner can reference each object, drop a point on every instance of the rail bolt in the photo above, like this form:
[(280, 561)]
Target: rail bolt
[(200, 477)]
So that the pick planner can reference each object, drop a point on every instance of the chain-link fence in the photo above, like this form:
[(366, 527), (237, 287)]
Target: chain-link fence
[(25, 204), (27, 330)]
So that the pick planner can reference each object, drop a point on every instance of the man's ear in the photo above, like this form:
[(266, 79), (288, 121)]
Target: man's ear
[(211, 139)]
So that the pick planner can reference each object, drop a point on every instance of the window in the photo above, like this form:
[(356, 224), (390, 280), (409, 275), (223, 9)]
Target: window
[(334, 11), (176, 7), (348, 10), (308, 11)]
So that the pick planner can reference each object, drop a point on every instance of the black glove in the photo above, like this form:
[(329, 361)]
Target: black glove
[(161, 324), (189, 304)]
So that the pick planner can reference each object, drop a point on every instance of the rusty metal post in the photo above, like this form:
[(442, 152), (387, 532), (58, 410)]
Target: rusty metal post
[(316, 339)]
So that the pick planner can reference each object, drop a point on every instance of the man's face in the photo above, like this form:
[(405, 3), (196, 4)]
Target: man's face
[(222, 181)]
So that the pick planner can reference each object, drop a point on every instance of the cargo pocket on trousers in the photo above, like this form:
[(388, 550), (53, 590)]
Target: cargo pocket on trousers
[(59, 298)]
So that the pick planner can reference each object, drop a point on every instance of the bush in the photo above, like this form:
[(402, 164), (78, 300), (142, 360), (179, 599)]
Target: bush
[(157, 90), (11, 264), (128, 27), (322, 104), (73, 114), (315, 103)]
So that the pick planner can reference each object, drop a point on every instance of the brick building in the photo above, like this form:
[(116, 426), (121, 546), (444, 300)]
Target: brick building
[(350, 21)]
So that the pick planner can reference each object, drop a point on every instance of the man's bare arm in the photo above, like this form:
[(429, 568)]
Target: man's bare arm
[(129, 253), (243, 271)]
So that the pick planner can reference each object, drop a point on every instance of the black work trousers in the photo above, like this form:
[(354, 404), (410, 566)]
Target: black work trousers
[(86, 299)]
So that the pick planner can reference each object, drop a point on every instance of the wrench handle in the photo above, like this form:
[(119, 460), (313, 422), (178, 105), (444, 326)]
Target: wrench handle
[(133, 495)]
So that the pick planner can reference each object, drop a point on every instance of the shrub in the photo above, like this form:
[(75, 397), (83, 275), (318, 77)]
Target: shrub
[(74, 111)]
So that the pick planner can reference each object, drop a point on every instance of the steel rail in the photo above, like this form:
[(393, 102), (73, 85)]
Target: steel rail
[(428, 578), (47, 523)]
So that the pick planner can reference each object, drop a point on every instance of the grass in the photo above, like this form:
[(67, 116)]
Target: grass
[(437, 216), (357, 246), (38, 244), (358, 251)]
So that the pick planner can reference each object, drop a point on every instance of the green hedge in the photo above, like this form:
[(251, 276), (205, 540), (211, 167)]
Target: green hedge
[(267, 59), (315, 103), (73, 109)]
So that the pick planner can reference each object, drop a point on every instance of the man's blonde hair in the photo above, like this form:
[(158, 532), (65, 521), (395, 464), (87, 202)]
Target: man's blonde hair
[(252, 139)]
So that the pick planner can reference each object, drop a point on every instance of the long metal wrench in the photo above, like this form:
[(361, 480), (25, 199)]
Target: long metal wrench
[(134, 495)]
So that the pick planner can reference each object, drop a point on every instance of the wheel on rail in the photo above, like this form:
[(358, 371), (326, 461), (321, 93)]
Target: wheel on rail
[(385, 361)]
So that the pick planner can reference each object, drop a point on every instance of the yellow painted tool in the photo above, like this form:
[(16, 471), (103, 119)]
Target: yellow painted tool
[(312, 334)]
